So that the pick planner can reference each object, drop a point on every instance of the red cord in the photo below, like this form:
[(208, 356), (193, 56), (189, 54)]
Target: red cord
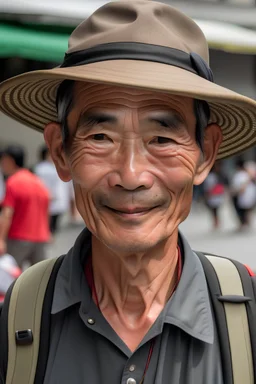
[(250, 271)]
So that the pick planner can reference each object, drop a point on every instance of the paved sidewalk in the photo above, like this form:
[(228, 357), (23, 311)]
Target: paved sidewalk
[(197, 228)]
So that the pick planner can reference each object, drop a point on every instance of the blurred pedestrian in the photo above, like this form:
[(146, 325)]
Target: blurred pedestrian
[(214, 192), (9, 271), (250, 167), (2, 183), (24, 228), (58, 190), (243, 191)]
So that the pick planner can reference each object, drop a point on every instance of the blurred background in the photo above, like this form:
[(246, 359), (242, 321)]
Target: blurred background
[(34, 35)]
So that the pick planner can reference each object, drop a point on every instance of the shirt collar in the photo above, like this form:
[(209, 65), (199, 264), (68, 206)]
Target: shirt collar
[(70, 286), (189, 308)]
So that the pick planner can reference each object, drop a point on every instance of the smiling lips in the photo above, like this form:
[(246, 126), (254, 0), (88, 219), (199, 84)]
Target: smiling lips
[(131, 211)]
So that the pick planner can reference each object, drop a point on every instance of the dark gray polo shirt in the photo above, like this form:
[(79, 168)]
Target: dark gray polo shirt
[(85, 349)]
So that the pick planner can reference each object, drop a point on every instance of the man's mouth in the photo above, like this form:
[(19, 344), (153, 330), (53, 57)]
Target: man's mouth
[(131, 211)]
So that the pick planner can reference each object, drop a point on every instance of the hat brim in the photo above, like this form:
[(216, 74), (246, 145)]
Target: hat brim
[(30, 98)]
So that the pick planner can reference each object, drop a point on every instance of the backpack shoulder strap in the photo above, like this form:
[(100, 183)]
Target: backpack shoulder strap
[(230, 304), (220, 317), (248, 280), (45, 332), (4, 334), (24, 321)]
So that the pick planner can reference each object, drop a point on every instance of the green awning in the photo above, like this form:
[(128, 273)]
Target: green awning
[(31, 43), (49, 42)]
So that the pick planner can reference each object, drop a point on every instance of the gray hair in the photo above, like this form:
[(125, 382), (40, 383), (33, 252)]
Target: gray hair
[(64, 103)]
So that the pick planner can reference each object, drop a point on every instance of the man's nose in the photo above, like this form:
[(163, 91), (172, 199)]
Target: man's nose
[(132, 170)]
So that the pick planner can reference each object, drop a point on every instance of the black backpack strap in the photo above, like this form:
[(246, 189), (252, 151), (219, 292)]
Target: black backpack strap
[(46, 325), (4, 334), (220, 317)]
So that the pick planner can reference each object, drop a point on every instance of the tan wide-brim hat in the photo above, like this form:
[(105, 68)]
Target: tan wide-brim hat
[(139, 44)]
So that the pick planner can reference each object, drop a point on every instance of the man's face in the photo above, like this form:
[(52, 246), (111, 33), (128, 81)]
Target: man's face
[(7, 165), (133, 159)]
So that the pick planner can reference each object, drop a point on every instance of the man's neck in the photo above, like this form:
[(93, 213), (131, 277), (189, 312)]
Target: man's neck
[(132, 290)]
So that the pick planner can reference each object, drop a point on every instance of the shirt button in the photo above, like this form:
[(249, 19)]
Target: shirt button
[(131, 381), (91, 321), (132, 368)]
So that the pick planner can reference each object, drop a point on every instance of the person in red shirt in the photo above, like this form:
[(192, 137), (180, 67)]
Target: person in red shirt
[(24, 227)]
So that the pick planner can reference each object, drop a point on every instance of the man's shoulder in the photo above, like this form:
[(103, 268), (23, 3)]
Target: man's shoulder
[(25, 183), (13, 182), (19, 176)]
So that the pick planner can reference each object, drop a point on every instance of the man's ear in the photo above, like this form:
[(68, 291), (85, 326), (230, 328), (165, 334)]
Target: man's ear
[(211, 144), (53, 139)]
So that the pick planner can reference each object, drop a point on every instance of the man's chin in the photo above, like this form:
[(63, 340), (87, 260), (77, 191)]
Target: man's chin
[(131, 243), (127, 237)]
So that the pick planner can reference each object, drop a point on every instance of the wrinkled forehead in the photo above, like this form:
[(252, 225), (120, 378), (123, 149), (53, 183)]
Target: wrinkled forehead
[(91, 95)]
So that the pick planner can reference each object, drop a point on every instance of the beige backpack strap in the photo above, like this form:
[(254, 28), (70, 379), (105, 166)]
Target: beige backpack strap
[(237, 321), (25, 310)]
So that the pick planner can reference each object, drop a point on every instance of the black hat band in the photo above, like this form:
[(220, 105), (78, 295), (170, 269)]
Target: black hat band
[(139, 51)]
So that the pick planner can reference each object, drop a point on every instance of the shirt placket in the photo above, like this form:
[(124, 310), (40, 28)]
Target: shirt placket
[(135, 367), (136, 362)]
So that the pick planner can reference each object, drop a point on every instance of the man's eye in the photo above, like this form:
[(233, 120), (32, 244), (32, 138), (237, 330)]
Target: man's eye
[(99, 137), (162, 140)]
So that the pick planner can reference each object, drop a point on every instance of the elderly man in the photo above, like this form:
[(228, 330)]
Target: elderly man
[(133, 117)]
